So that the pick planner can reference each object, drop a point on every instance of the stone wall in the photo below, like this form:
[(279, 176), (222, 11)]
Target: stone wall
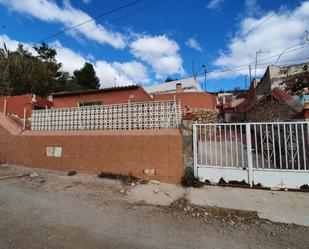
[(269, 109), (202, 115), (187, 143)]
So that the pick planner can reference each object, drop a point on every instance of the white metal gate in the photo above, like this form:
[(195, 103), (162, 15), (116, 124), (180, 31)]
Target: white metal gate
[(272, 154)]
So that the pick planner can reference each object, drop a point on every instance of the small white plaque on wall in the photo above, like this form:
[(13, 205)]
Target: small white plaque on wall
[(57, 151), (49, 152)]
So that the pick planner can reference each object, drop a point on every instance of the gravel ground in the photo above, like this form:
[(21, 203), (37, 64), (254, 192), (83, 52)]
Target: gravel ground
[(52, 210)]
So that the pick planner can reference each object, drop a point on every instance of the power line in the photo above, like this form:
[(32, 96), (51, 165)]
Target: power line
[(259, 24), (89, 20), (287, 52), (297, 59), (260, 67), (263, 59), (118, 18)]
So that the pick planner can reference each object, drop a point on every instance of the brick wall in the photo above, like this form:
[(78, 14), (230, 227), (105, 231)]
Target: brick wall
[(123, 152)]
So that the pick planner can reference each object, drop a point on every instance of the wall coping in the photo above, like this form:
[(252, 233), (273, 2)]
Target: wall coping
[(149, 132)]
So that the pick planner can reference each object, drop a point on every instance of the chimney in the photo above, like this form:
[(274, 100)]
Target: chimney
[(179, 88)]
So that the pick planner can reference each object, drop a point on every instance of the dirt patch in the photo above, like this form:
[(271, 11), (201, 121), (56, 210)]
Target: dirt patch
[(230, 220)]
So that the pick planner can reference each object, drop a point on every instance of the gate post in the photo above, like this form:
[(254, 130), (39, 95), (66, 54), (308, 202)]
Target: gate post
[(195, 150), (249, 154)]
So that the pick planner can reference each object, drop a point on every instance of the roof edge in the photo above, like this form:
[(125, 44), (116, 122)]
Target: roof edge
[(91, 91)]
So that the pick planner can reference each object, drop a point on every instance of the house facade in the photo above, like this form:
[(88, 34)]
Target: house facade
[(270, 98), (104, 96), (190, 99), (182, 85)]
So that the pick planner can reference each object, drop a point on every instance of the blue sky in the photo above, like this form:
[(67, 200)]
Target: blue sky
[(163, 39)]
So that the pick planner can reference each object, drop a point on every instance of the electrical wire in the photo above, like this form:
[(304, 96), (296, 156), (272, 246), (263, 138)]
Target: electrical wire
[(89, 20), (259, 24), (263, 59), (260, 67), (118, 18)]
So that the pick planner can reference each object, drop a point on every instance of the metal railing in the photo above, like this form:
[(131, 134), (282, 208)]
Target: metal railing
[(141, 115), (274, 146)]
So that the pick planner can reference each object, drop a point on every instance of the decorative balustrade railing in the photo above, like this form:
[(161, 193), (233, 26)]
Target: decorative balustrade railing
[(142, 115)]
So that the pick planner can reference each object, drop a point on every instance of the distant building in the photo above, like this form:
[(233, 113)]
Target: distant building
[(268, 98), (182, 85), (279, 77), (191, 100), (226, 103)]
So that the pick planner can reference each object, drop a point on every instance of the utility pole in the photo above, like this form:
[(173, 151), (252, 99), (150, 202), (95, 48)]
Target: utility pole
[(256, 54), (250, 74), (193, 70), (256, 60), (246, 81)]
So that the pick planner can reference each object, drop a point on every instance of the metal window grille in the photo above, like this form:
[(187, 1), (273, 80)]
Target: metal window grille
[(142, 115)]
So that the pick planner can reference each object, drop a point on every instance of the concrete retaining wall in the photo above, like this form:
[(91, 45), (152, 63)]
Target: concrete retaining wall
[(122, 152)]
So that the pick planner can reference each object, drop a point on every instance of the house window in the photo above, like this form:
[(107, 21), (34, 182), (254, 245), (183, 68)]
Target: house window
[(89, 103), (39, 107)]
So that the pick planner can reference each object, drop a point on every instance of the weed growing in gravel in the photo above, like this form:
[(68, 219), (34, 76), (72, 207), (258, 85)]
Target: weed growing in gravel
[(189, 180), (72, 173), (124, 178)]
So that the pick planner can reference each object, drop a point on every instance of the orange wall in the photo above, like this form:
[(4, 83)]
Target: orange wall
[(16, 104), (111, 97), (190, 99), (123, 152)]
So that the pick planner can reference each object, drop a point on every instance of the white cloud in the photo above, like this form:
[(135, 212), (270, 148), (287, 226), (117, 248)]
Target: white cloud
[(278, 33), (70, 60), (131, 72), (160, 52), (134, 70), (124, 73), (252, 7), (68, 16), (193, 43), (214, 4)]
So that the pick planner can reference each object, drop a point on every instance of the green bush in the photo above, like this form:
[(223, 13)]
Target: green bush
[(189, 180)]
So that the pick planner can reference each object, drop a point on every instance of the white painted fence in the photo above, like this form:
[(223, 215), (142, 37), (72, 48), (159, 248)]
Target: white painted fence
[(270, 154), (142, 115)]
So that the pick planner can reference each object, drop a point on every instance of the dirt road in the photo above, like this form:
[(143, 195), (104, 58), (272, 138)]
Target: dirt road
[(52, 210)]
